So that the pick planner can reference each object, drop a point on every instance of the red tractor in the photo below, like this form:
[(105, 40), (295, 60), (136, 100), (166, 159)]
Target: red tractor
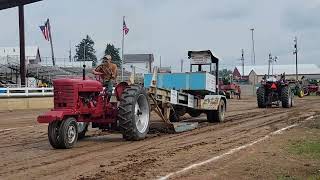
[(77, 102), (273, 92)]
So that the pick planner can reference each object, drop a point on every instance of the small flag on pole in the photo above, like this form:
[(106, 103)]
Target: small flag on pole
[(125, 28), (46, 30)]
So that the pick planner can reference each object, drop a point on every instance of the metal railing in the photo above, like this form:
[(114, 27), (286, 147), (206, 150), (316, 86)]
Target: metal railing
[(25, 92)]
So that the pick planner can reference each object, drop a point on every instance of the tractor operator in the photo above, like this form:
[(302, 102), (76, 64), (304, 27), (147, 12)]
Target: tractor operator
[(108, 72)]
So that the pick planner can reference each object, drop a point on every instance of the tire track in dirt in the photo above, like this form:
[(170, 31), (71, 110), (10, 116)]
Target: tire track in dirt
[(234, 138), (159, 152)]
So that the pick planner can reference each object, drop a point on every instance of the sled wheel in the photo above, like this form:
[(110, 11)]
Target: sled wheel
[(134, 113), (217, 115)]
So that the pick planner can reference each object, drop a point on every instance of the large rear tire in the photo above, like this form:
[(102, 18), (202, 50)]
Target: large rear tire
[(134, 113), (261, 97), (217, 115), (286, 97)]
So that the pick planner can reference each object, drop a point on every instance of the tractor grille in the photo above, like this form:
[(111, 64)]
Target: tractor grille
[(64, 97)]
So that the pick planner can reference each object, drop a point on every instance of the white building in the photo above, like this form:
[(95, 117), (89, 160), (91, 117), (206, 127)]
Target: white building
[(256, 73)]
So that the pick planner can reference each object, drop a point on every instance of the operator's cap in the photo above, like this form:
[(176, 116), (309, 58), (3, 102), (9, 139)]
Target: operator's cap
[(107, 57)]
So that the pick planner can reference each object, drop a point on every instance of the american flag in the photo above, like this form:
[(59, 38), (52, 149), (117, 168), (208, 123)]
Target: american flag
[(125, 28), (46, 30)]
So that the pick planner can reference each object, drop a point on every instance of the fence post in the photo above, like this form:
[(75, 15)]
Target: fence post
[(42, 91), (8, 94)]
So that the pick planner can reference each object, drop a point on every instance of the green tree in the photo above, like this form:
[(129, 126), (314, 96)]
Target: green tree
[(224, 74), (85, 51), (114, 52)]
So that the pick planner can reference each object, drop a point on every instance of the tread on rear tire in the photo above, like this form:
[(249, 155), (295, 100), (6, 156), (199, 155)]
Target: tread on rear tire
[(134, 113)]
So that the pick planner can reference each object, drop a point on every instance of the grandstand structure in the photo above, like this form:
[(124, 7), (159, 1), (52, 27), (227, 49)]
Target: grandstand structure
[(35, 67), (41, 69)]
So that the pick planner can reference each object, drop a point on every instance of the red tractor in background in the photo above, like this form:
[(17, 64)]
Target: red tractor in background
[(79, 101), (229, 88), (273, 92)]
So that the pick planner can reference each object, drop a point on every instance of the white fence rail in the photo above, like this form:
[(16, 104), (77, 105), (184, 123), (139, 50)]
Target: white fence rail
[(25, 92)]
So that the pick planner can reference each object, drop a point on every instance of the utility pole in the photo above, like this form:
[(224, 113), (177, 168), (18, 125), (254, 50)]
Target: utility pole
[(70, 51), (181, 65), (84, 54), (270, 63), (160, 61), (22, 47), (253, 52), (296, 53), (242, 62)]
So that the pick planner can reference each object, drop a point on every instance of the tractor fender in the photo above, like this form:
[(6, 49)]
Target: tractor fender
[(211, 102), (51, 116), (119, 89)]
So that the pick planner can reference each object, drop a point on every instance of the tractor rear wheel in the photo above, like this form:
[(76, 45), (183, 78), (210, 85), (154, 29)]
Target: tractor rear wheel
[(286, 97), (53, 134), (261, 97), (134, 113), (217, 115)]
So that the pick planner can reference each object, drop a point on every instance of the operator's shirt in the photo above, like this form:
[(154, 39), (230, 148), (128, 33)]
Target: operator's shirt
[(109, 70)]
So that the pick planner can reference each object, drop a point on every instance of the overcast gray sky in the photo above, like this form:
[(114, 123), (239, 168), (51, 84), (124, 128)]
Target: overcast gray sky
[(172, 27)]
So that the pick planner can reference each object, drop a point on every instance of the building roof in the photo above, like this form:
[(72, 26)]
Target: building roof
[(138, 58), (5, 4), (281, 68), (31, 51)]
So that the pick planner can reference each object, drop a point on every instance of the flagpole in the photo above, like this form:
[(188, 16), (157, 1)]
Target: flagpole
[(52, 54), (122, 50)]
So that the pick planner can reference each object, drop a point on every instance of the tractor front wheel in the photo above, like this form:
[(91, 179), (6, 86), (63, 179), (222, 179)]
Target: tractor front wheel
[(217, 115), (134, 113), (53, 134), (63, 134), (82, 129)]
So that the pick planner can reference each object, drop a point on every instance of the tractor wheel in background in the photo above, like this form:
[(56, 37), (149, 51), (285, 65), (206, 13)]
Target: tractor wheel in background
[(217, 115), (286, 97), (228, 95), (53, 134), (68, 133), (261, 97), (134, 113), (300, 92), (176, 113), (174, 116), (194, 113), (82, 129), (306, 92)]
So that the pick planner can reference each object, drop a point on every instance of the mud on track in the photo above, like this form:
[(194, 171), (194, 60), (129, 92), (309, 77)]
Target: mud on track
[(25, 152)]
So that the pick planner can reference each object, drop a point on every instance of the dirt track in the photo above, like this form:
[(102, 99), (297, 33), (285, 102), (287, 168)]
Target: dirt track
[(25, 152)]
